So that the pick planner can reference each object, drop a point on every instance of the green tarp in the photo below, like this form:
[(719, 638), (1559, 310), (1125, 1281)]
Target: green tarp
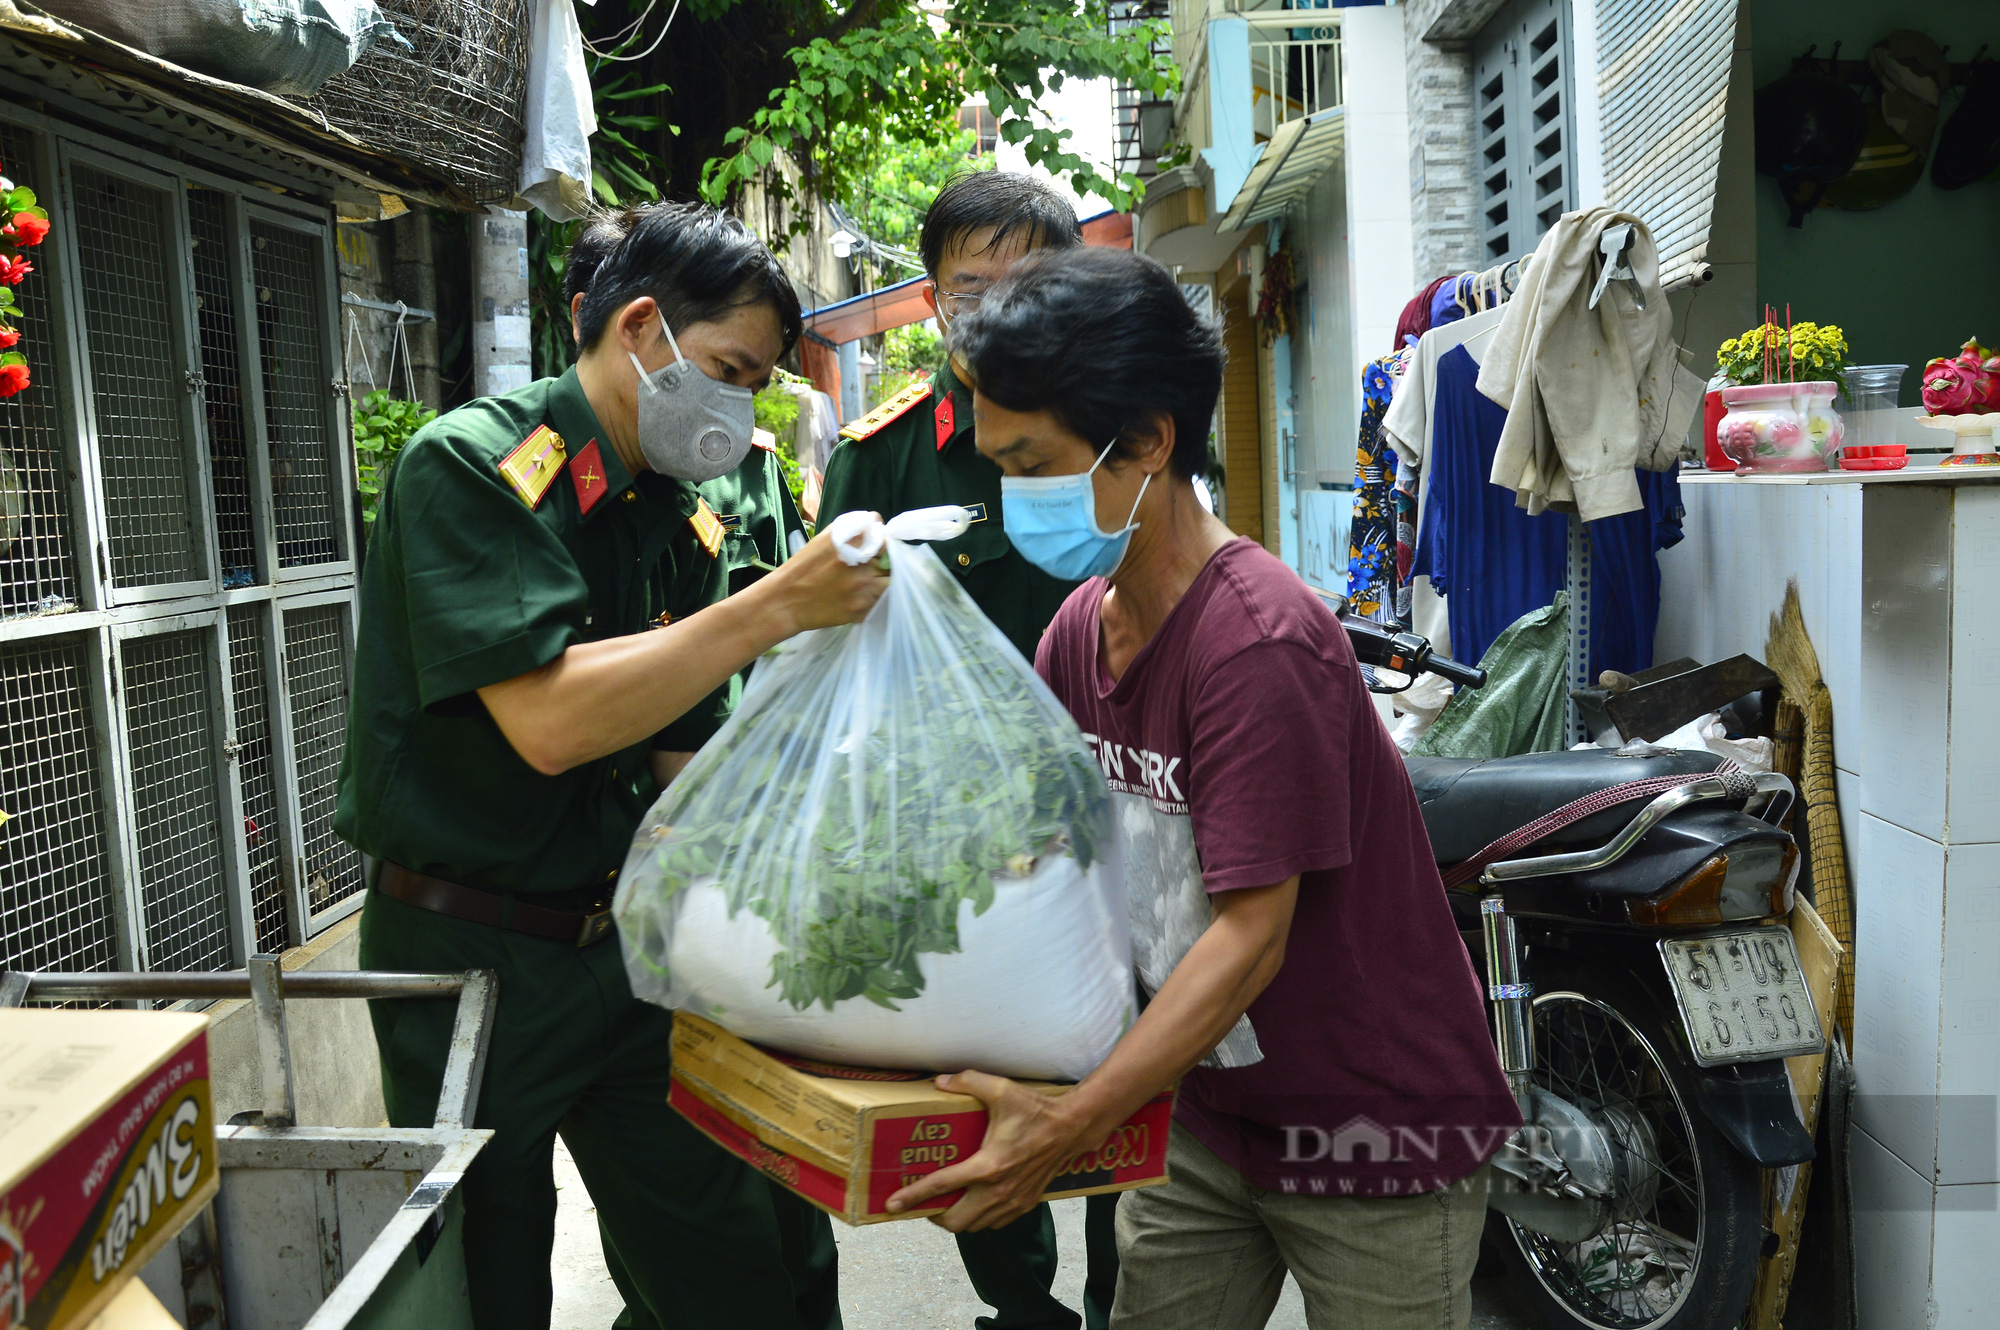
[(1524, 706)]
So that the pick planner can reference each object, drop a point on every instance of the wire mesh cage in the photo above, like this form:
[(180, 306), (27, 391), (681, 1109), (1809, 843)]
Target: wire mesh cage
[(55, 873), (256, 774), (316, 677), (176, 812), (203, 358), (453, 102), (37, 572), (215, 301), (124, 228), (286, 268)]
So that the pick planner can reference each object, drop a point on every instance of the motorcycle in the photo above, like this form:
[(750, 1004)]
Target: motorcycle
[(1626, 911)]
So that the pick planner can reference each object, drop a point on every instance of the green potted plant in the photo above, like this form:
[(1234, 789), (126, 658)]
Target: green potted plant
[(1778, 387), (382, 425)]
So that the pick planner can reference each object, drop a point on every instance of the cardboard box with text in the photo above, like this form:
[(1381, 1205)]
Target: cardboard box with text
[(846, 1138), (107, 1148)]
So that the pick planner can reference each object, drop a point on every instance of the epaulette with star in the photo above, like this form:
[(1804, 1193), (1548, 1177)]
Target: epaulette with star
[(533, 466), (887, 413)]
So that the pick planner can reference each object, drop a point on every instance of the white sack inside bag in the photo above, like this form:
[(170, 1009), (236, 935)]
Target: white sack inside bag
[(898, 852)]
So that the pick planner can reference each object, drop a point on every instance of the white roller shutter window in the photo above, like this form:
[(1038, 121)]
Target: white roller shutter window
[(1663, 81)]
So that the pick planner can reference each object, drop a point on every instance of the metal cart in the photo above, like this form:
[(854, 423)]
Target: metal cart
[(324, 1228)]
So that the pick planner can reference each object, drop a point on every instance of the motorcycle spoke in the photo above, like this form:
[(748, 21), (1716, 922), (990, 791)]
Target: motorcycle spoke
[(1638, 1269)]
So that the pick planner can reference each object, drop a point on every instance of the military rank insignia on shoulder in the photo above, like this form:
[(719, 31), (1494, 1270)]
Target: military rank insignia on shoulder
[(532, 467), (887, 413), (708, 528)]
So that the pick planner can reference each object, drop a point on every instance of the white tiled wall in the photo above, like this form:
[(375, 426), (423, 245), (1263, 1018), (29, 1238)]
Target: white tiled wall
[(1720, 586), (1898, 957), (1973, 789), (1968, 1077), (1900, 587), (1906, 653), (1966, 1279), (1892, 1238)]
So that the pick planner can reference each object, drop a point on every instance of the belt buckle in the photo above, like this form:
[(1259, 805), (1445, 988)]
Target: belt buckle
[(596, 923)]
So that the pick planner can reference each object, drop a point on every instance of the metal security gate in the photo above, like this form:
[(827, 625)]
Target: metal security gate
[(176, 568)]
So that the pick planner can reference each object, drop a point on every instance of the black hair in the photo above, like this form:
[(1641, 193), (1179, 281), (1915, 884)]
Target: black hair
[(1011, 203), (1097, 337), (596, 242), (696, 262)]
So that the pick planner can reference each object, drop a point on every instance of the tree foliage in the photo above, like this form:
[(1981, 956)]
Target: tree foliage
[(891, 193), (862, 95), (830, 82)]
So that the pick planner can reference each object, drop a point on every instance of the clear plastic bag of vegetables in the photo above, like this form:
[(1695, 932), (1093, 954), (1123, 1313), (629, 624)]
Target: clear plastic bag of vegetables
[(899, 851)]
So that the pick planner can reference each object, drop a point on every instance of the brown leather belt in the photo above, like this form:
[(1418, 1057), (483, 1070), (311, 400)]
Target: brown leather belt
[(580, 927)]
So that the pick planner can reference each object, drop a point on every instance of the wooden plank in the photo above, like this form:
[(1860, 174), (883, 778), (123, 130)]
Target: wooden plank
[(1785, 1188)]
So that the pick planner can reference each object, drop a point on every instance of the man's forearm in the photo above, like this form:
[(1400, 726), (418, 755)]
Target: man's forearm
[(1232, 962), (600, 697)]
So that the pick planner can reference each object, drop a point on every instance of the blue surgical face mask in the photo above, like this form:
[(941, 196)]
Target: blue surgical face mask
[(1052, 520)]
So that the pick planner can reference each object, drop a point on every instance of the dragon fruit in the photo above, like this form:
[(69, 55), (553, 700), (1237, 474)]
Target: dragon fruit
[(1965, 384)]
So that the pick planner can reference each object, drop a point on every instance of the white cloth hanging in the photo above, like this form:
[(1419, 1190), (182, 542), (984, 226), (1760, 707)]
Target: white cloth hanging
[(1407, 427), (555, 143), (1590, 393)]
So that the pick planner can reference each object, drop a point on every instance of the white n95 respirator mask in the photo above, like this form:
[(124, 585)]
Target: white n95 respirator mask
[(692, 427)]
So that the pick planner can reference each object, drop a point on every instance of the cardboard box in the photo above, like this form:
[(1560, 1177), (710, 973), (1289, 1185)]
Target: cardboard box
[(846, 1138), (134, 1308), (107, 1148)]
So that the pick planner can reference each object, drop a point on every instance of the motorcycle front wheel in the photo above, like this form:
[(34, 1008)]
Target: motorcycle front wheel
[(1680, 1248)]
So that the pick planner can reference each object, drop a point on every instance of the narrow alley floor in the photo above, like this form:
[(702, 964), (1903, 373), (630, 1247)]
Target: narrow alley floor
[(903, 1276)]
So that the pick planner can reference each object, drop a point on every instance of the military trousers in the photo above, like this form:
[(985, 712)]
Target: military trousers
[(694, 1238), (1013, 1268)]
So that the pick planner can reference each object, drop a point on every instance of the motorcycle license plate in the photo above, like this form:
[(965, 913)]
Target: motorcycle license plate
[(1742, 996)]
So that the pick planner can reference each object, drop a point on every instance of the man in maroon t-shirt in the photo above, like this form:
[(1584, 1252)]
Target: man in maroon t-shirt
[(1303, 978)]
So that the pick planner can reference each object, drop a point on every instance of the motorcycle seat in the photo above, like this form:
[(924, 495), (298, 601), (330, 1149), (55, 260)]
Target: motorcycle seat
[(1470, 803)]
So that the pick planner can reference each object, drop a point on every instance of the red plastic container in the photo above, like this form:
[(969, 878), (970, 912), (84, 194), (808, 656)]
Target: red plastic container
[(1874, 457), (1712, 412)]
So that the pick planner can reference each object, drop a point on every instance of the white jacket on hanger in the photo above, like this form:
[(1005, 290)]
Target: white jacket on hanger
[(1590, 393)]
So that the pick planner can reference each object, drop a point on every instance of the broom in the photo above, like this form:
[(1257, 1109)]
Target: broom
[(1789, 652), (1807, 706)]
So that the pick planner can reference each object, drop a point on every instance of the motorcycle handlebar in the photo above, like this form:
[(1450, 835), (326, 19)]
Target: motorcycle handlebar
[(1466, 676), (1405, 653)]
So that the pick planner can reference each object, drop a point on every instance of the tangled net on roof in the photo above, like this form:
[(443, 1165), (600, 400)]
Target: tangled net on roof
[(454, 103)]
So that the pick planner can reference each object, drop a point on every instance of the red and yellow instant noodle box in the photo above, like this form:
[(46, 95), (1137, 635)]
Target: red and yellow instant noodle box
[(846, 1138), (107, 1148)]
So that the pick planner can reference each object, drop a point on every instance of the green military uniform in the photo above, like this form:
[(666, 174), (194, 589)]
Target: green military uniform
[(508, 532), (917, 450)]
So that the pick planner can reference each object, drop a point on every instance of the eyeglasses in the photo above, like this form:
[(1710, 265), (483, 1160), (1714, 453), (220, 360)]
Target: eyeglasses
[(955, 304)]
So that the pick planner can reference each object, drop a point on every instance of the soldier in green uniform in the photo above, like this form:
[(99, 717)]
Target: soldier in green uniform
[(545, 620), (914, 451)]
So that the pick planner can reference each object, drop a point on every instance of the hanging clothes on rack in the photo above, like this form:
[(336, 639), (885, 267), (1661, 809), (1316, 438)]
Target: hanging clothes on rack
[(1587, 365), (1494, 562), (1373, 571), (1416, 318), (1407, 426), (1403, 501), (1449, 304)]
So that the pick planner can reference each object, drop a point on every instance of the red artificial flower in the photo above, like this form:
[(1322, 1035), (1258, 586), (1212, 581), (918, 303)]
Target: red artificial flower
[(28, 229), (13, 378), (13, 270), (9, 336)]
